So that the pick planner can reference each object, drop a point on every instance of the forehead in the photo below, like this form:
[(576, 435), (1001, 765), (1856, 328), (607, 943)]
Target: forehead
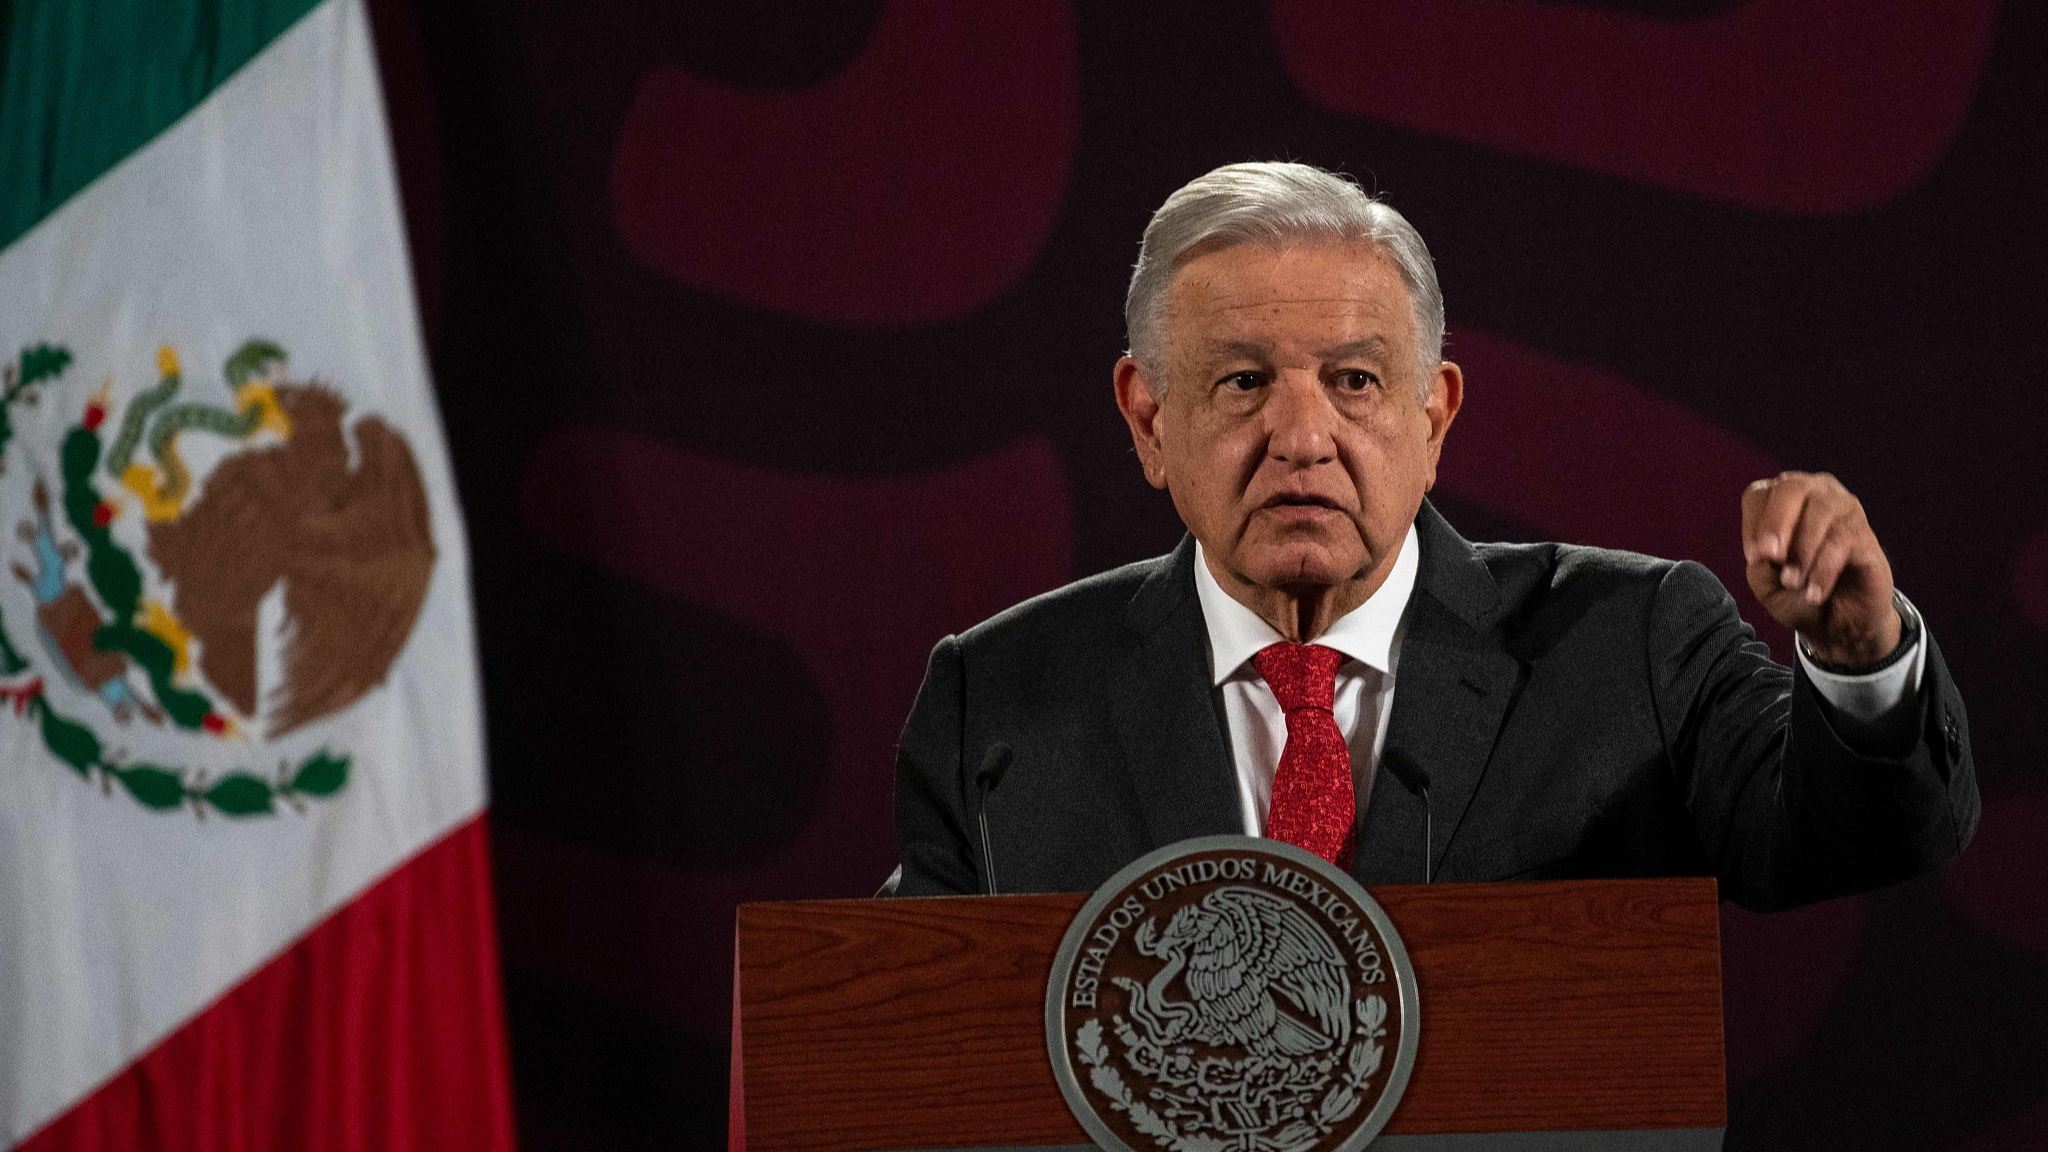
[(1325, 294)]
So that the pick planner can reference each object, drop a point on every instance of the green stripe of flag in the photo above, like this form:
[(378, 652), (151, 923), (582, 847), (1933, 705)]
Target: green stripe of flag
[(86, 82)]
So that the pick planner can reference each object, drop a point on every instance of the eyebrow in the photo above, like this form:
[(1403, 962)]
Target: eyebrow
[(1248, 349), (1371, 346)]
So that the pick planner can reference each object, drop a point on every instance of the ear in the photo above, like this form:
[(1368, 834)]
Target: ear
[(1446, 396), (1138, 399)]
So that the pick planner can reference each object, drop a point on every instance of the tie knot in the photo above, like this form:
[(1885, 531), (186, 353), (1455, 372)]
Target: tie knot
[(1300, 675)]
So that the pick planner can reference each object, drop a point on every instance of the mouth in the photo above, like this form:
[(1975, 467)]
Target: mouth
[(1288, 500)]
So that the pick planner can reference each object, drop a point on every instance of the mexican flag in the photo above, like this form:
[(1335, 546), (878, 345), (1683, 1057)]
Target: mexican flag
[(244, 894)]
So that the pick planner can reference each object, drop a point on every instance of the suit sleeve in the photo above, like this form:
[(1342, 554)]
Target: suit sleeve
[(932, 814), (1788, 807)]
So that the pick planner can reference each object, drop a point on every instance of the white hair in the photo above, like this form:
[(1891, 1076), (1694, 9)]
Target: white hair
[(1277, 204)]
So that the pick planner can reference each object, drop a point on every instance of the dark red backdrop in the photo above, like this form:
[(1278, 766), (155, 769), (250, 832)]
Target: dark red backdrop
[(774, 338)]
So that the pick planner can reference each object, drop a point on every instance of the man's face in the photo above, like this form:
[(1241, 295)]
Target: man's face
[(1290, 433)]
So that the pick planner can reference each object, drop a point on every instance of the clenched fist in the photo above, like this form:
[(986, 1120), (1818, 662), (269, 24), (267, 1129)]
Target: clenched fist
[(1817, 568)]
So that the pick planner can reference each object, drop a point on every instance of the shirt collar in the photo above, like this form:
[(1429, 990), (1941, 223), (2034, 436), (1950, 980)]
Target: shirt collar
[(1365, 634)]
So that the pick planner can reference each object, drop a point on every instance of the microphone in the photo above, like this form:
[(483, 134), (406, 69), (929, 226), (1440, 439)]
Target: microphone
[(1416, 781), (994, 763)]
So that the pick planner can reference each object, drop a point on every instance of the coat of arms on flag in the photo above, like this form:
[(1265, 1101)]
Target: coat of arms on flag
[(147, 588)]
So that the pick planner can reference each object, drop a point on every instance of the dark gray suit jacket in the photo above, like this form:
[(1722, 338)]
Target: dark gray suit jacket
[(1579, 712)]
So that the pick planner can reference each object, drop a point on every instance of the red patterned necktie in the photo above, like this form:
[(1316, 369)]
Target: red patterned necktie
[(1313, 803)]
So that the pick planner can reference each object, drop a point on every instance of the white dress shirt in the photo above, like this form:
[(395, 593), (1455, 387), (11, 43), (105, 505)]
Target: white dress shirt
[(1369, 636)]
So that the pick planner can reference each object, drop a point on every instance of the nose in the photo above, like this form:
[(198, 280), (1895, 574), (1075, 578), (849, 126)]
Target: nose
[(1300, 421)]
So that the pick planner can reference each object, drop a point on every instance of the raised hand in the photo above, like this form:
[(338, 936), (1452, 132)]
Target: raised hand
[(1817, 568)]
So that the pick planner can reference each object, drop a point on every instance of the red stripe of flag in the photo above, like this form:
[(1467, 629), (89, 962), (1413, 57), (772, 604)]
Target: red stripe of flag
[(380, 1030)]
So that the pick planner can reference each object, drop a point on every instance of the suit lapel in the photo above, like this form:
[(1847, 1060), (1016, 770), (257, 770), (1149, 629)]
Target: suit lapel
[(1166, 713), (1452, 691)]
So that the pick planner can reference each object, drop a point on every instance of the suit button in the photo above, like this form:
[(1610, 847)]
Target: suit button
[(1954, 733)]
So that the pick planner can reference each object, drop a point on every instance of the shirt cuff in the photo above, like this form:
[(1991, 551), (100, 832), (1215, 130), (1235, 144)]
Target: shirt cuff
[(1871, 697)]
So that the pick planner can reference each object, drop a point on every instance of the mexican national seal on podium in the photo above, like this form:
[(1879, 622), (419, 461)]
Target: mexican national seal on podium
[(1230, 993)]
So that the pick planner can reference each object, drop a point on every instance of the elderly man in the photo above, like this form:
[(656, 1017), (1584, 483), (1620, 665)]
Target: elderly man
[(1324, 660)]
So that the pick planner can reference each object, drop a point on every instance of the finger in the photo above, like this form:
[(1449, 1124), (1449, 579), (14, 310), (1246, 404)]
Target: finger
[(1754, 498), (1780, 514), (1787, 606), (1829, 562), (1817, 518)]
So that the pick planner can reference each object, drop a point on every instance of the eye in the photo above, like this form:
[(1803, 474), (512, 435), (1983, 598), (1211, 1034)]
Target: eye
[(1355, 380), (1242, 381)]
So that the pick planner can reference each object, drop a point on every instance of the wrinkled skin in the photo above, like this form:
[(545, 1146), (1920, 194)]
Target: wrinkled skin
[(1287, 424)]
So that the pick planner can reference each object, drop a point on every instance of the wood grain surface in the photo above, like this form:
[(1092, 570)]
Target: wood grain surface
[(905, 1024)]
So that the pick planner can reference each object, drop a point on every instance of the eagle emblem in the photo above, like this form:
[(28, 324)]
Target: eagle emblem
[(1236, 950), (1231, 995), (202, 572)]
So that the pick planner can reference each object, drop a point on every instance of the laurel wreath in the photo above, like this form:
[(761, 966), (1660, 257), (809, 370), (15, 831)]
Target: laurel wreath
[(1364, 1061), (1337, 1105), (1103, 1075), (118, 582)]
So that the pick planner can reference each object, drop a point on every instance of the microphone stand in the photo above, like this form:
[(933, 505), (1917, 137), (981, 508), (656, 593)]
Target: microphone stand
[(1416, 781), (994, 763)]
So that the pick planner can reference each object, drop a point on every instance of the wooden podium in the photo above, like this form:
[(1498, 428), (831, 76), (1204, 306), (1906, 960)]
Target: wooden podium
[(1575, 1014)]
